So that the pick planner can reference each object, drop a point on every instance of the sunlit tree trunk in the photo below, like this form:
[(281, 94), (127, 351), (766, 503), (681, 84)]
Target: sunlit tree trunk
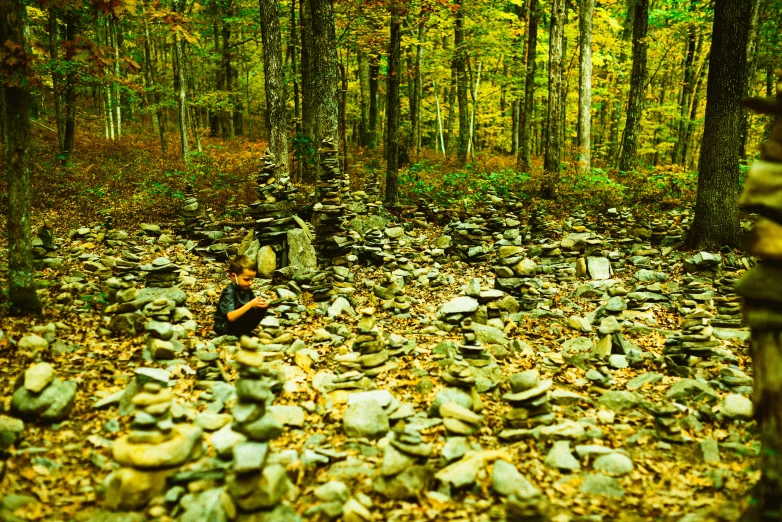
[(525, 116), (22, 298), (71, 20), (415, 99), (716, 221), (553, 155), (586, 8), (115, 84), (150, 74), (392, 110), (635, 102), (687, 88), (460, 68), (627, 32), (274, 81), (374, 71), (56, 76), (752, 45), (179, 72)]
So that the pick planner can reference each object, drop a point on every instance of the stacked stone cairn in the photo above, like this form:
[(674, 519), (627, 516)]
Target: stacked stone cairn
[(372, 191), (468, 239), (696, 343), (403, 472), (370, 345), (274, 211), (44, 247), (332, 242), (153, 450), (471, 349), (42, 397), (208, 367), (161, 273), (189, 215), (529, 398), (728, 304), (162, 339), (128, 267), (254, 485), (667, 422), (371, 252)]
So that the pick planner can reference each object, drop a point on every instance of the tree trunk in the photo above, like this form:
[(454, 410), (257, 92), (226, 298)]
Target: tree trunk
[(71, 19), (307, 144), (586, 8), (179, 71), (752, 45), (474, 95), (274, 81), (415, 98), (150, 72), (56, 76), (614, 142), (451, 98), (216, 115), (439, 119), (115, 84), (374, 71), (21, 279), (363, 93), (687, 89), (694, 104), (392, 110), (460, 67), (525, 116), (716, 208), (292, 41), (553, 157), (228, 72), (326, 77), (635, 103)]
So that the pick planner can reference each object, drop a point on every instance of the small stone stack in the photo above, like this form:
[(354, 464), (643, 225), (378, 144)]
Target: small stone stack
[(468, 239), (371, 251), (667, 422), (695, 343), (728, 304), (471, 349), (161, 339), (253, 485), (161, 273), (370, 345), (372, 191), (44, 248), (42, 397), (208, 366), (538, 225), (189, 215), (403, 472), (703, 262), (529, 397), (274, 211), (151, 452), (128, 266), (331, 240)]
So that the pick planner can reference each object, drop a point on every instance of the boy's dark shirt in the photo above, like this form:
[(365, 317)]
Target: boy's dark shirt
[(232, 299)]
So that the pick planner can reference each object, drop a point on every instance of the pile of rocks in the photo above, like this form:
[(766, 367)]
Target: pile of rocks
[(189, 215), (468, 239), (274, 211), (403, 472), (371, 346), (332, 242), (162, 339), (128, 267), (372, 191), (209, 366), (529, 398), (457, 309), (153, 450), (696, 343), (161, 273), (253, 485), (371, 252), (45, 249), (471, 349), (41, 396), (703, 262), (728, 304), (667, 423)]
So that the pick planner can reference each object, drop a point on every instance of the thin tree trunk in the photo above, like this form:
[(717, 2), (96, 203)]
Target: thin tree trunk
[(115, 84), (71, 19), (553, 155), (460, 62), (274, 81), (343, 116), (586, 8), (363, 94), (308, 142), (716, 222), (326, 71), (56, 76), (292, 42), (751, 70), (374, 71), (228, 72), (215, 118), (449, 122), (22, 297), (392, 110), (181, 94), (614, 146), (150, 72), (635, 103), (694, 108), (439, 118), (415, 108), (525, 113), (470, 146), (687, 89)]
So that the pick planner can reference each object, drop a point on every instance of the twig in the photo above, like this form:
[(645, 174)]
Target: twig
[(44, 126)]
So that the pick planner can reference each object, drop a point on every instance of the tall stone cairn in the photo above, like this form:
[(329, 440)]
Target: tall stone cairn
[(761, 288), (332, 242), (274, 211)]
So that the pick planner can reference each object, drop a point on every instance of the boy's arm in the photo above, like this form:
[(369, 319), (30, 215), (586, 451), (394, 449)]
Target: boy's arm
[(233, 315)]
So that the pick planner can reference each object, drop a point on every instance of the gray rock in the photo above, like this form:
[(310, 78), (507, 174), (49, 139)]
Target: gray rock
[(506, 480), (10, 431), (333, 490), (460, 305), (32, 344), (340, 306), (645, 378), (249, 456), (450, 394), (38, 376), (301, 253), (617, 361), (267, 262), (614, 464), (51, 405), (253, 249), (224, 440), (646, 276), (737, 406), (206, 506), (711, 451), (489, 334), (560, 457), (578, 344), (365, 419), (609, 325), (289, 415), (599, 268), (686, 388), (160, 330), (462, 472), (455, 448), (407, 485), (616, 304), (395, 462), (599, 484), (150, 229), (620, 400)]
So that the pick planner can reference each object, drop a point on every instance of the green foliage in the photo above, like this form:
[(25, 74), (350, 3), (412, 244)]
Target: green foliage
[(304, 150)]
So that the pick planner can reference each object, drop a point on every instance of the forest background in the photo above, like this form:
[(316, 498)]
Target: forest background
[(476, 95)]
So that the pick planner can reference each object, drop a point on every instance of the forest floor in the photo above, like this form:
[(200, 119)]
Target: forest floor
[(704, 471)]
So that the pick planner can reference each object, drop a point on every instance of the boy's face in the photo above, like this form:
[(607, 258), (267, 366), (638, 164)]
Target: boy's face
[(245, 279)]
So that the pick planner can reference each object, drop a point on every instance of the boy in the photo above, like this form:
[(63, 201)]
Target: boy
[(239, 312)]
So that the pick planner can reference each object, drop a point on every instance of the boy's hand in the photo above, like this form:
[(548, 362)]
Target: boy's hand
[(259, 302)]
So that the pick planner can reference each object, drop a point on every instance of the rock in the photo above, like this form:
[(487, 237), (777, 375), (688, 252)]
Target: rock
[(10, 431), (455, 411), (526, 268), (340, 306), (620, 400), (365, 419), (150, 229), (51, 405), (211, 421), (38, 376), (737, 406), (579, 323), (301, 253), (609, 325), (394, 461), (185, 445), (599, 484), (32, 345), (253, 249), (581, 267), (354, 511), (489, 334), (618, 361), (160, 330), (599, 268), (224, 440), (711, 451), (689, 388), (614, 464), (645, 378), (409, 484), (616, 304), (267, 261), (454, 395), (331, 491), (460, 305), (506, 480), (462, 472), (269, 487), (129, 489), (455, 448), (560, 457), (289, 415)]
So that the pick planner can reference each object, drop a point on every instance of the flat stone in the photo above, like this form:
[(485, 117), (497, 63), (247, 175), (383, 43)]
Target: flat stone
[(599, 268), (737, 406), (249, 456), (642, 380), (599, 484), (185, 445), (53, 404), (560, 457), (224, 440), (620, 400), (289, 415), (38, 376), (614, 464), (689, 388), (32, 344), (711, 451), (10, 431), (506, 480), (365, 419), (460, 305), (340, 306)]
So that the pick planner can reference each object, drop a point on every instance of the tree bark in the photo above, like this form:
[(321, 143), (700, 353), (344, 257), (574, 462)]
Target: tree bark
[(181, 93), (274, 81), (586, 9), (553, 155), (228, 73), (460, 67), (150, 74), (215, 116), (307, 144), (614, 142), (635, 103), (22, 297), (687, 89), (392, 110), (71, 19), (56, 76), (716, 220), (415, 99), (752, 45), (114, 38), (326, 72), (525, 117), (450, 95), (374, 71), (363, 93), (694, 104)]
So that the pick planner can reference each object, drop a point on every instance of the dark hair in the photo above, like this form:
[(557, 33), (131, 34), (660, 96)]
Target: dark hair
[(241, 263)]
